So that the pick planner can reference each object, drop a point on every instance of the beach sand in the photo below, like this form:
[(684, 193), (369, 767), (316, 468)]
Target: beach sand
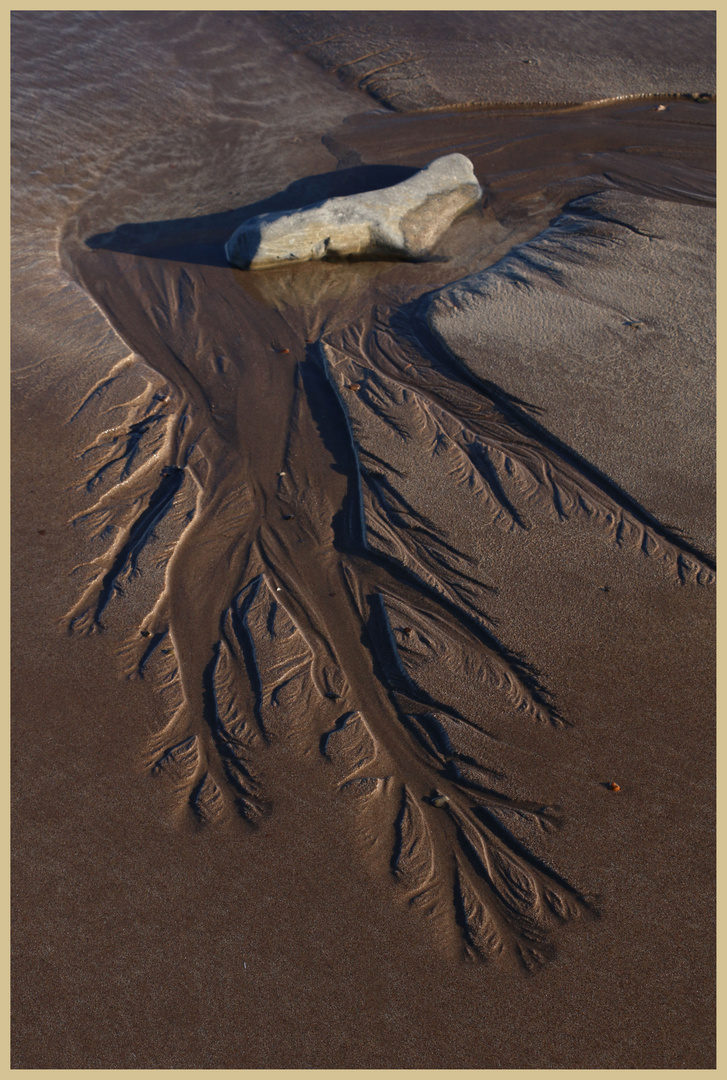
[(297, 551)]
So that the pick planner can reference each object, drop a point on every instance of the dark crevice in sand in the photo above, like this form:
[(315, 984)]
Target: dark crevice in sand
[(238, 614), (349, 527), (408, 587), (595, 215), (521, 416), (546, 814), (151, 648), (306, 585), (145, 919), (126, 560)]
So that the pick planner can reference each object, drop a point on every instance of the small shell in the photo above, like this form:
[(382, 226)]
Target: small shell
[(440, 801)]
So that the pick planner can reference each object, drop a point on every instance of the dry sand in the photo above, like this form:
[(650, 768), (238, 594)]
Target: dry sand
[(334, 550)]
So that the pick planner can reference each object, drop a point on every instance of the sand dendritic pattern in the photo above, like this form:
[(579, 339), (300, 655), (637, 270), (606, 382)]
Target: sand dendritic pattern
[(302, 594)]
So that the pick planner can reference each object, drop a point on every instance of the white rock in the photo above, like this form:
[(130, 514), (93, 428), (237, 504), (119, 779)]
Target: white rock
[(404, 221)]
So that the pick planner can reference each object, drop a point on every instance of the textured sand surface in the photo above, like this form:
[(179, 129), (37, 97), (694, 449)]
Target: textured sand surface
[(603, 312), (388, 636), (507, 57)]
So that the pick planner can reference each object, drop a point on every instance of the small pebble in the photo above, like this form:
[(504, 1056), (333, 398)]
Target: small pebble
[(288, 517), (354, 386), (660, 108), (144, 633), (613, 786), (440, 801), (280, 350)]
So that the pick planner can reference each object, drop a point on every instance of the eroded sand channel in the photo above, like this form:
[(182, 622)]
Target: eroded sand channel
[(431, 599), (303, 589)]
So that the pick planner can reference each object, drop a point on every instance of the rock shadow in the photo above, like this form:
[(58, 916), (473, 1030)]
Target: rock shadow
[(200, 240)]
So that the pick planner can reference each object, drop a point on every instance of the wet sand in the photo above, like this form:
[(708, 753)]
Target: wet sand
[(507, 57), (344, 576)]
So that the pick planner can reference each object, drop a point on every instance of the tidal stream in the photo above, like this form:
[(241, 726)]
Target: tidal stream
[(302, 590)]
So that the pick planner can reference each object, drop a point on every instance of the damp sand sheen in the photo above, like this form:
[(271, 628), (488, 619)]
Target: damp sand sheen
[(302, 590), (363, 606)]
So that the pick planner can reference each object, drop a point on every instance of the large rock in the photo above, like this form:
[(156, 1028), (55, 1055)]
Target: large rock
[(404, 221), (605, 322)]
